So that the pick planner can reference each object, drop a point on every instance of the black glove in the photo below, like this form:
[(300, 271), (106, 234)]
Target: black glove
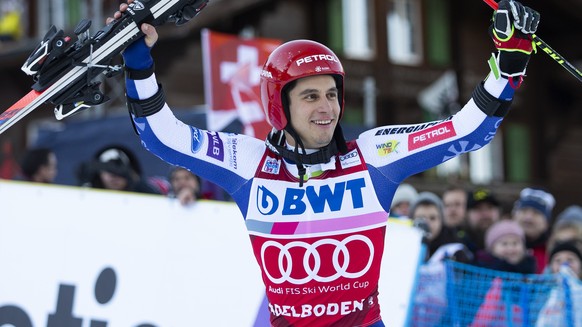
[(188, 12), (512, 30)]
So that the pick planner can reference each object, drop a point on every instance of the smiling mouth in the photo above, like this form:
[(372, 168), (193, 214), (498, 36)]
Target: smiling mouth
[(322, 122)]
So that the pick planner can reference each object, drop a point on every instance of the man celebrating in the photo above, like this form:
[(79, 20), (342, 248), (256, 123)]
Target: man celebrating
[(316, 206)]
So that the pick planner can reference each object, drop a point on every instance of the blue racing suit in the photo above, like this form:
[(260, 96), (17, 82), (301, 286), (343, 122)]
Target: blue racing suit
[(319, 246)]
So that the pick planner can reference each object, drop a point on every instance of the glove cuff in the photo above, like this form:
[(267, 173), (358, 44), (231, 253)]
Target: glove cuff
[(137, 56)]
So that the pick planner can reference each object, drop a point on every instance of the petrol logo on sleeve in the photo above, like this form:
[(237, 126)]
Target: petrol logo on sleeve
[(431, 135)]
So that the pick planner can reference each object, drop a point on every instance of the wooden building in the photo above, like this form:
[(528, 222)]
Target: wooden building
[(392, 51)]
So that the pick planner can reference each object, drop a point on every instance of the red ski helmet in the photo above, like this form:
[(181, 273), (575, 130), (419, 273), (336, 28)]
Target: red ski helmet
[(289, 62)]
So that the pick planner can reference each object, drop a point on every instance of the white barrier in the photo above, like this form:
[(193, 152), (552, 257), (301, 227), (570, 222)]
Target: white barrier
[(81, 257)]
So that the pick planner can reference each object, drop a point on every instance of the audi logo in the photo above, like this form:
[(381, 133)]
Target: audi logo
[(285, 262)]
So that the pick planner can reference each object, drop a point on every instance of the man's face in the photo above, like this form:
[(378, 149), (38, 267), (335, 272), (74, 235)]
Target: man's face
[(432, 217), (455, 202), (181, 179), (314, 110), (47, 173), (533, 222), (482, 216)]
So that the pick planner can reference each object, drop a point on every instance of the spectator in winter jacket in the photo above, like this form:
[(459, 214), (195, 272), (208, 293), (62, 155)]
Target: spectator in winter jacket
[(403, 197), (427, 210), (567, 253), (568, 226), (483, 210), (505, 249), (455, 206), (115, 168), (39, 165), (533, 212), (565, 259), (185, 186)]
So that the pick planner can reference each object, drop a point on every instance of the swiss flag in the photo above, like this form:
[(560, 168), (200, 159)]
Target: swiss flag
[(231, 79)]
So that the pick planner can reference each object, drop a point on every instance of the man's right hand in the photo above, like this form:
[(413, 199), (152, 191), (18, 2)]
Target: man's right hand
[(151, 35)]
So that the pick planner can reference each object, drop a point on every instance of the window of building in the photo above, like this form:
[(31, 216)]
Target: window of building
[(438, 41), (351, 28), (404, 26)]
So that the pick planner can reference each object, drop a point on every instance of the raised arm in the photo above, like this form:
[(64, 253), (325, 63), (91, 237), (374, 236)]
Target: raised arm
[(214, 156), (396, 152)]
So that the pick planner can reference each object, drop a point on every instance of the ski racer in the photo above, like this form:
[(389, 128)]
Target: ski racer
[(316, 206)]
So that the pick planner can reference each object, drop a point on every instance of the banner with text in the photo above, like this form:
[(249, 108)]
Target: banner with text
[(83, 257)]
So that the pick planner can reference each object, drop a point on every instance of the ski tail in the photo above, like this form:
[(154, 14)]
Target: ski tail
[(66, 71), (10, 116)]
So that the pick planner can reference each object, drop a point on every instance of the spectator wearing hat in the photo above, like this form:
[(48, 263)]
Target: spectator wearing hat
[(565, 259), (403, 197), (427, 211), (39, 165), (505, 249), (533, 212), (115, 168), (568, 226), (483, 210), (566, 253)]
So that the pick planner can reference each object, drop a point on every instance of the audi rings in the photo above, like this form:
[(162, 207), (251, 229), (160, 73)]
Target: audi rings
[(311, 250)]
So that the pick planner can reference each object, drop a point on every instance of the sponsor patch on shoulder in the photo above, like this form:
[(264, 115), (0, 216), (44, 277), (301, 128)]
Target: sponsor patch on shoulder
[(197, 139), (431, 135), (387, 148), (271, 166), (350, 159), (215, 146)]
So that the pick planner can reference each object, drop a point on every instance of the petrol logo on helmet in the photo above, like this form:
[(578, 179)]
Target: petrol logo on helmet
[(315, 58)]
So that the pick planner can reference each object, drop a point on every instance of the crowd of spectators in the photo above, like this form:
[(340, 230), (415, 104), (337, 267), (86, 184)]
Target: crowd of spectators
[(470, 226)]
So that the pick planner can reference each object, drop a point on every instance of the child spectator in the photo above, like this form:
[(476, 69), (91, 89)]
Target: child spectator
[(505, 249)]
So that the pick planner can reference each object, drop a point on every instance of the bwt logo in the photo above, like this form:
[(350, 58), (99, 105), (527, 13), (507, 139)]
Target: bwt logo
[(296, 200), (63, 316)]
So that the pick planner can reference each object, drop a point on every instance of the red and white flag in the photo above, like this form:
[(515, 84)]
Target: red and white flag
[(232, 67)]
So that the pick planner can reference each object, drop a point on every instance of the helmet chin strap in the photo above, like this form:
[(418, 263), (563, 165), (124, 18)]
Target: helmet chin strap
[(276, 142)]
